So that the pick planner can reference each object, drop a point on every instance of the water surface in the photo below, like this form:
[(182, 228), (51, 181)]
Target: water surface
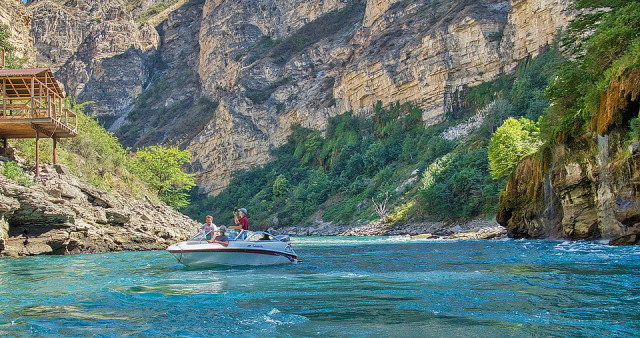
[(355, 286)]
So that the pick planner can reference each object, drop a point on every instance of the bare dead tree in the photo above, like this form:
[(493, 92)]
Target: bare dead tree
[(381, 207)]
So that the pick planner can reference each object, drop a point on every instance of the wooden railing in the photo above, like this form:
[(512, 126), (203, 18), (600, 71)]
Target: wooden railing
[(38, 108)]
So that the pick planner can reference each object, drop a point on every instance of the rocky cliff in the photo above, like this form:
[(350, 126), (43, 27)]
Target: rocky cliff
[(228, 79), (585, 187), (17, 19), (61, 214)]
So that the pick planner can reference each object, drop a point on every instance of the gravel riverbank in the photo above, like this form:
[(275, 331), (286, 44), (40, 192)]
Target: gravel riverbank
[(475, 229)]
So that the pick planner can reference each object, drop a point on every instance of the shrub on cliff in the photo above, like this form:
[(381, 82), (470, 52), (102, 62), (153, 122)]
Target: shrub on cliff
[(603, 42), (161, 168), (12, 171), (511, 142)]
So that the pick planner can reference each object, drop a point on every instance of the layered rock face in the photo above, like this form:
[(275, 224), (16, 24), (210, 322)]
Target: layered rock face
[(421, 52), (17, 19), (64, 215), (228, 79), (97, 50), (584, 188)]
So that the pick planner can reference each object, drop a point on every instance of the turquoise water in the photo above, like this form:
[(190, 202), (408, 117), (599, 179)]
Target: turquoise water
[(346, 286)]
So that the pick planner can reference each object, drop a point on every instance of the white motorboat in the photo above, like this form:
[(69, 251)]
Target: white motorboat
[(245, 248)]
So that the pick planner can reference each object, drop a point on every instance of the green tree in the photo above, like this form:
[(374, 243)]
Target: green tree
[(511, 142), (161, 168), (280, 186), (4, 44)]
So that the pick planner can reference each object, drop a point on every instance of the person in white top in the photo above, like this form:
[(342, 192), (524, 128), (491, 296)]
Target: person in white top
[(208, 227)]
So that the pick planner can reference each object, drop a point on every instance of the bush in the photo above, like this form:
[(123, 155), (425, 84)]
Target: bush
[(12, 171), (514, 140), (459, 185), (160, 168)]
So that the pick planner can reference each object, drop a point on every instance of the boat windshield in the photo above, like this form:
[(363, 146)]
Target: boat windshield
[(202, 235), (232, 234), (259, 236), (235, 234)]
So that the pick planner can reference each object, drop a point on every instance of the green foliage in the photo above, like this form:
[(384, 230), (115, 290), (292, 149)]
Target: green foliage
[(336, 176), (12, 171), (603, 41), (97, 157), (4, 35), (144, 17), (634, 128), (514, 140), (160, 168), (523, 91), (459, 186), (280, 186), (95, 154), (496, 36), (261, 95)]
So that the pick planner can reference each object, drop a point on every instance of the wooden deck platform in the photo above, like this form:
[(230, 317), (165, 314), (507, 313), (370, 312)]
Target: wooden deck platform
[(31, 102), (31, 107)]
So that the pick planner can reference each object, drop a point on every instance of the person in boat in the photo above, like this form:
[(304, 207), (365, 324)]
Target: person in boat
[(240, 217), (221, 239), (208, 227)]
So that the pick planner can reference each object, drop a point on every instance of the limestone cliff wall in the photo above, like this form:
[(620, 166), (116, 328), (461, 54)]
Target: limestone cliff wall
[(14, 15), (421, 52), (97, 50), (227, 79)]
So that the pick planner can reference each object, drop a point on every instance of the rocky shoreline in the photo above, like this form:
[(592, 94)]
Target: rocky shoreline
[(475, 229), (61, 214)]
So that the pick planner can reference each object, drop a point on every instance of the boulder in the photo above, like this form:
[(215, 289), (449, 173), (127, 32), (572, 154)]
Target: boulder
[(629, 239)]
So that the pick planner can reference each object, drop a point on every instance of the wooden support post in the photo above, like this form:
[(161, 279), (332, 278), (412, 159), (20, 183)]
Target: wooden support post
[(60, 107), (32, 94), (37, 154), (40, 96), (55, 150), (4, 97)]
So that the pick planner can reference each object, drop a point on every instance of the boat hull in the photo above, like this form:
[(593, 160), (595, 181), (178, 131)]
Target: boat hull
[(203, 254)]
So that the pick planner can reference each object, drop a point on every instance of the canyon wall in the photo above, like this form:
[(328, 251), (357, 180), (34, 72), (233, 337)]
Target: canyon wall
[(228, 79)]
